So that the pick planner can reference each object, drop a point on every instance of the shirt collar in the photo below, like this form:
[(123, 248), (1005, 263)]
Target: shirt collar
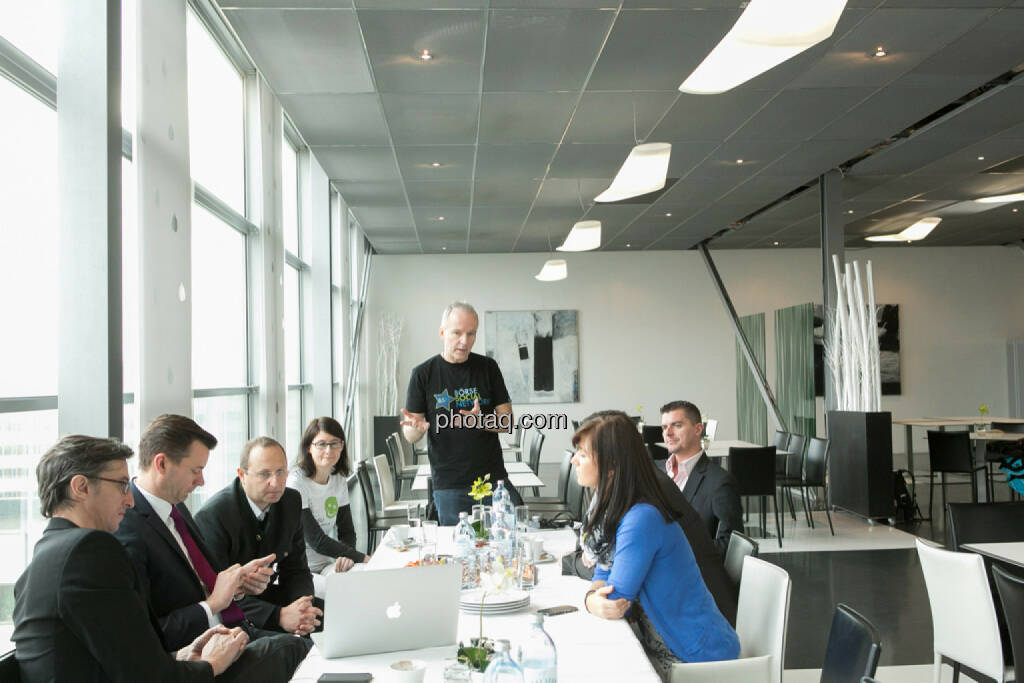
[(259, 514), (160, 506), (672, 467)]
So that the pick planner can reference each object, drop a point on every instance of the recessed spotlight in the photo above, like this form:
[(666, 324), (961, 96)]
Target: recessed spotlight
[(426, 55), (739, 161), (628, 245), (776, 244), (444, 248), (435, 164), (1014, 210), (440, 218), (981, 158), (849, 211), (668, 215), (880, 51)]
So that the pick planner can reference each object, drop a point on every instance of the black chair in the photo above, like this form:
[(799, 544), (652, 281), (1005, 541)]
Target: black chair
[(793, 475), (996, 452), (1011, 595), (400, 471), (575, 499), (378, 523), (9, 672), (754, 471), (559, 502), (536, 445), (816, 475), (781, 444), (740, 545), (984, 523), (950, 452), (652, 434), (360, 513), (853, 648)]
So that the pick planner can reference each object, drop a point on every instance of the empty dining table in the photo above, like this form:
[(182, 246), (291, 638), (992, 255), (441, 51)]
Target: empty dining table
[(1011, 552), (519, 473)]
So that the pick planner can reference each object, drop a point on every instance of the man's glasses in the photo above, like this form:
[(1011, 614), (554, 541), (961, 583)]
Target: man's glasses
[(265, 475), (324, 445), (123, 484)]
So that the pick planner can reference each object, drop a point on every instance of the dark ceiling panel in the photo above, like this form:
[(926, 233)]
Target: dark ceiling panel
[(440, 193), (542, 50), (432, 119), (526, 162), (800, 114), (889, 111), (710, 117), (525, 116), (396, 39), (497, 221), (509, 192), (589, 160), (441, 221), (604, 117), (814, 157)]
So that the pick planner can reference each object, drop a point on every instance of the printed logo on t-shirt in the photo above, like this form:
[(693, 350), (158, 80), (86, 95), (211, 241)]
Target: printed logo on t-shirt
[(463, 399), (331, 507)]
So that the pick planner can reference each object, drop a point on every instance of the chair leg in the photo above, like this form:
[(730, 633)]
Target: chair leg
[(828, 514), (789, 497), (778, 526), (942, 512), (956, 672), (805, 496), (974, 486), (931, 492)]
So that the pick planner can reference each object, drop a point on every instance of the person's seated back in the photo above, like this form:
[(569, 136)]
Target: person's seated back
[(78, 615), (319, 476), (257, 516)]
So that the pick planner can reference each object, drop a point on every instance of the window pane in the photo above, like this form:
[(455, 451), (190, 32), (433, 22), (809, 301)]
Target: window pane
[(129, 278), (292, 363), (128, 52), (294, 419), (34, 28), (215, 118), (28, 238), (227, 418), (219, 346), (337, 335), (289, 197), (24, 437)]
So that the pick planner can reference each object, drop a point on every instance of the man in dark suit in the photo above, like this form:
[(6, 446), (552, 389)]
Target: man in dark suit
[(256, 516), (187, 588), (706, 486), (78, 615)]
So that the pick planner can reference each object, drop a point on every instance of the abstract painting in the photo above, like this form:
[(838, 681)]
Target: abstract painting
[(538, 353), (888, 316)]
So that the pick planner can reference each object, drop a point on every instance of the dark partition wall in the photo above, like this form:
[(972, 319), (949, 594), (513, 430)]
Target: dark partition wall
[(860, 462)]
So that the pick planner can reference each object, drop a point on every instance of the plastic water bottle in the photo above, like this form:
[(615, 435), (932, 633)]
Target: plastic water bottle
[(538, 657), (503, 537), (465, 550), (499, 498), (502, 668)]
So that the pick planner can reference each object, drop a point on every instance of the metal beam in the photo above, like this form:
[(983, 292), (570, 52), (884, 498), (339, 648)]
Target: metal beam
[(748, 353), (357, 333), (832, 242)]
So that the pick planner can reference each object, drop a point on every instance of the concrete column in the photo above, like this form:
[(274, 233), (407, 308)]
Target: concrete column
[(832, 243), (317, 201)]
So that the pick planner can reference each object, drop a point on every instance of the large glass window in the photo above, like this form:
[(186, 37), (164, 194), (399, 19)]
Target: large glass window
[(296, 288), (34, 28)]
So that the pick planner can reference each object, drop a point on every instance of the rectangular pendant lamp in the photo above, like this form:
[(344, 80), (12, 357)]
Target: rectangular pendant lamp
[(584, 236), (644, 171), (917, 231), (554, 269)]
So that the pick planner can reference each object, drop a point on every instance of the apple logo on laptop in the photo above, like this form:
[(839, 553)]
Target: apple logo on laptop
[(394, 611)]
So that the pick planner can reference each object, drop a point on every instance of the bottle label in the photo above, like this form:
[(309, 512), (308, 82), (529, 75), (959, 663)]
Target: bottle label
[(548, 675)]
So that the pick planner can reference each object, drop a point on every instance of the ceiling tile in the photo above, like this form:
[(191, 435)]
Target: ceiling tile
[(456, 162), (800, 113), (589, 160), (436, 221), (383, 218), (888, 111), (811, 158), (525, 116), (542, 49), (714, 117), (301, 51), (372, 193), (604, 117), (497, 221), (338, 119), (506, 192), (513, 161), (357, 163), (420, 4), (431, 119), (440, 193), (396, 39)]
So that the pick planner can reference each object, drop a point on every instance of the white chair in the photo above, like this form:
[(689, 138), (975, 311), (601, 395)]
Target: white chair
[(711, 428), (387, 488), (761, 620), (963, 615)]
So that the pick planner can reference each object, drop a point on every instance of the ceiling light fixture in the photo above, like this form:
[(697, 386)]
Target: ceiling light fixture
[(554, 269), (444, 248), (880, 51), (849, 211), (435, 164), (776, 244), (440, 218), (643, 172), (668, 215), (768, 33), (917, 231), (426, 55), (1002, 199), (584, 236), (628, 245), (739, 161), (981, 158)]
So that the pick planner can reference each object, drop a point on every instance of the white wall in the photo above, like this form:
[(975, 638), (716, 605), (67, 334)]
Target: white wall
[(652, 328)]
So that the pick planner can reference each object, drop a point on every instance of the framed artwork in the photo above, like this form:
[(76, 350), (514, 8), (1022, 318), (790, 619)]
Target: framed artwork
[(888, 316), (538, 353)]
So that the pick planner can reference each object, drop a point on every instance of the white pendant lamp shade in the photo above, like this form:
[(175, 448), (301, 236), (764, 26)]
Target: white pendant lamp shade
[(584, 236), (644, 171), (768, 33), (917, 231), (554, 269)]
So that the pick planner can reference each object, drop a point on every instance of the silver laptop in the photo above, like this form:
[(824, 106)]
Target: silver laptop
[(390, 609)]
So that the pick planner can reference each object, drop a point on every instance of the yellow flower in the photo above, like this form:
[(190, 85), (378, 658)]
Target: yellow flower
[(481, 488), (983, 409)]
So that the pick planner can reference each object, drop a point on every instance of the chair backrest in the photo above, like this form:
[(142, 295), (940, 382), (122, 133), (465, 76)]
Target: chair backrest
[(9, 670), (535, 448), (753, 469), (393, 458), (795, 458), (564, 472), (763, 612), (984, 522), (781, 439), (816, 462), (387, 491), (517, 436), (652, 434), (711, 428), (740, 546), (963, 615), (1009, 427), (574, 498), (394, 443), (366, 485), (1011, 594), (853, 648), (949, 451), (359, 507), (656, 452)]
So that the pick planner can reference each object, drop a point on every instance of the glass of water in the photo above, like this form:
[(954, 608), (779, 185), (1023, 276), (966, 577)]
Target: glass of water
[(416, 523), (522, 519), (429, 538)]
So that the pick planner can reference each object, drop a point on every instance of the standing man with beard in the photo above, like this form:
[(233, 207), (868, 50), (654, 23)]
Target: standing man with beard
[(459, 400)]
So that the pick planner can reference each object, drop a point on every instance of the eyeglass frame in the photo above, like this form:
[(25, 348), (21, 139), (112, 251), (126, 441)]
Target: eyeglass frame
[(265, 475), (125, 484), (332, 445)]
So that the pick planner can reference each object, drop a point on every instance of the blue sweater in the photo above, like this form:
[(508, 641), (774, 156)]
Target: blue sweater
[(653, 563)]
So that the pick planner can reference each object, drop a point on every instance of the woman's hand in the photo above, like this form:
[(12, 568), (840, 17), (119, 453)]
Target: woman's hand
[(343, 564), (599, 604)]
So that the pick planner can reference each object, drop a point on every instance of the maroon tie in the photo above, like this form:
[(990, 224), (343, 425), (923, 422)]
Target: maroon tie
[(231, 615)]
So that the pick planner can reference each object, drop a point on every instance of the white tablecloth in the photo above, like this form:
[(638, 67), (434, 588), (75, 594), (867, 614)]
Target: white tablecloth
[(589, 648)]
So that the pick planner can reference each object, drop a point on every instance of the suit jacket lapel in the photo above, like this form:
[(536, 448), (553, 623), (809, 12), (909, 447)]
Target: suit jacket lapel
[(696, 477), (149, 517)]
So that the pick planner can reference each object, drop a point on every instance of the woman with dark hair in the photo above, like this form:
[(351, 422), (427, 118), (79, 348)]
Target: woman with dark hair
[(644, 564), (319, 476)]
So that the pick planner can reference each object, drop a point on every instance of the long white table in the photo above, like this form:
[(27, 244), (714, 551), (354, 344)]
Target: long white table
[(589, 648), (519, 473), (1011, 551)]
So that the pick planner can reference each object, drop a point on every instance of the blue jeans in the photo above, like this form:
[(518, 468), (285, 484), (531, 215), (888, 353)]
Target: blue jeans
[(450, 502)]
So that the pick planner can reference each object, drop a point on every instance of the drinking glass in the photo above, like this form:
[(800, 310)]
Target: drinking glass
[(429, 537), (456, 671), (416, 523), (526, 569), (522, 519)]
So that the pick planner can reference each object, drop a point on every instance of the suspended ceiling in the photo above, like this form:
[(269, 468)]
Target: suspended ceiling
[(528, 107)]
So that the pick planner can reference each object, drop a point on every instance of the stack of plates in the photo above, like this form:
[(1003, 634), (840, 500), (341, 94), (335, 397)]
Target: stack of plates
[(500, 603)]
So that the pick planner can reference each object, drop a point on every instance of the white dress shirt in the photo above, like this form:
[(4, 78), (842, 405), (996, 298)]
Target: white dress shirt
[(680, 471)]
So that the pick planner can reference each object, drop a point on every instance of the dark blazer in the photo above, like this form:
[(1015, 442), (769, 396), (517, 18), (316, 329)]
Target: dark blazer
[(709, 559), (78, 615), (166, 577), (712, 492), (234, 535)]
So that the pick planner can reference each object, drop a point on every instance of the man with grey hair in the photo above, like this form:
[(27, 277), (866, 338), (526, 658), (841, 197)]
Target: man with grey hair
[(459, 400)]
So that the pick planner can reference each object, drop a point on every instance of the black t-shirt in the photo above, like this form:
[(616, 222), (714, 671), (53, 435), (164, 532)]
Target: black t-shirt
[(458, 455)]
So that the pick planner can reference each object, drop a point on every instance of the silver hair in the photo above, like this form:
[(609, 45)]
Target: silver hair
[(458, 305)]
